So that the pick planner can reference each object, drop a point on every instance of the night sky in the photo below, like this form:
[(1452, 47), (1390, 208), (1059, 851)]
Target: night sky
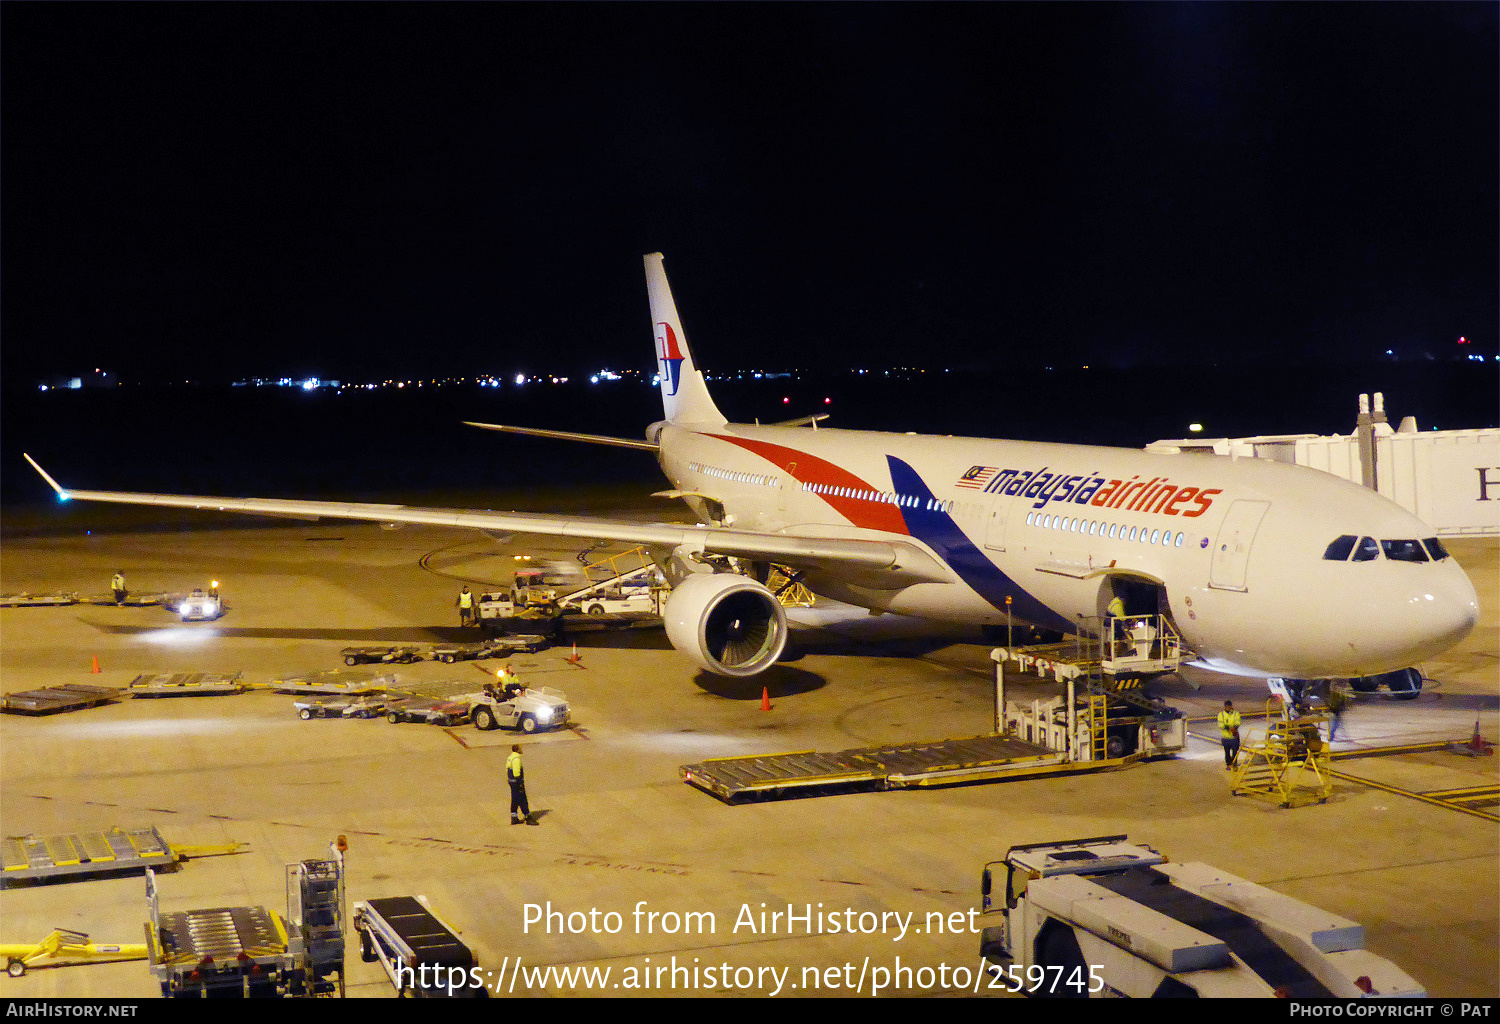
[(215, 190)]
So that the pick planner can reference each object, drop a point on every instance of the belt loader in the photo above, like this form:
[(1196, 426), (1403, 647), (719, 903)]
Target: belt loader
[(422, 955), (1105, 917)]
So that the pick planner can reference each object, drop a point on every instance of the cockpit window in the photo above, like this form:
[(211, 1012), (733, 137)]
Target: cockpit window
[(1435, 549), (1339, 550), (1366, 550), (1404, 550)]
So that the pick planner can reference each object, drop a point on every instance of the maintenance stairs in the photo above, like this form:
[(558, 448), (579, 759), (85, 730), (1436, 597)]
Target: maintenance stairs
[(1290, 765)]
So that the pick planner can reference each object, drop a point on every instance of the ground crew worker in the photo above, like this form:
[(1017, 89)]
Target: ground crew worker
[(510, 683), (1113, 614), (1337, 703), (465, 607), (515, 774), (117, 587), (1229, 732)]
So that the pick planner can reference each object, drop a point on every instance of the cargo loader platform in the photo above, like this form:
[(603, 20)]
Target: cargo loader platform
[(936, 763)]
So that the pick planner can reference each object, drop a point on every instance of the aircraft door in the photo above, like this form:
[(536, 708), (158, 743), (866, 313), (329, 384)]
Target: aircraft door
[(994, 531), (1231, 556)]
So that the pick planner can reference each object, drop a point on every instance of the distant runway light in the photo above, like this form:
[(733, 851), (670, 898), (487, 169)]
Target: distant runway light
[(1195, 428)]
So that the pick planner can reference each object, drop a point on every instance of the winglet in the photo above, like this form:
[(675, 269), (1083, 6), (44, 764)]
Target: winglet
[(61, 494), (684, 394)]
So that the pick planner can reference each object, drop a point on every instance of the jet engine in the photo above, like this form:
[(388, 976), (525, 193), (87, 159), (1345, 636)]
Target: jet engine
[(729, 624)]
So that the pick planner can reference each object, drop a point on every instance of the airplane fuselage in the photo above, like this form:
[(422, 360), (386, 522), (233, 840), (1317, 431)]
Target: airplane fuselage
[(1235, 548)]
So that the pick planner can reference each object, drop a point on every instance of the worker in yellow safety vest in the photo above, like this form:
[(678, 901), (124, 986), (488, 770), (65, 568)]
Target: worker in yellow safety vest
[(465, 607), (1112, 615), (1229, 732), (515, 774), (509, 682)]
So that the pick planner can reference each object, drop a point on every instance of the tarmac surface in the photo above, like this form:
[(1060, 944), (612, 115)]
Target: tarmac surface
[(631, 871)]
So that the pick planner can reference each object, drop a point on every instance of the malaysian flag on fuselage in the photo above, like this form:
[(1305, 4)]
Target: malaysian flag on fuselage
[(977, 476)]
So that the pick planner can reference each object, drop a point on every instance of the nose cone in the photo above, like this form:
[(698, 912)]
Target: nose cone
[(1436, 615)]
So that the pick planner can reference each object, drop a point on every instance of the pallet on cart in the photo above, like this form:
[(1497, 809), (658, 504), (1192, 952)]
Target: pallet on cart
[(54, 699), (29, 600), (335, 682), (186, 684)]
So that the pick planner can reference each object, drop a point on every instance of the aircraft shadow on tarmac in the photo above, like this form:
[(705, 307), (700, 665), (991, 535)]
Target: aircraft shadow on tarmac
[(823, 642), (777, 681)]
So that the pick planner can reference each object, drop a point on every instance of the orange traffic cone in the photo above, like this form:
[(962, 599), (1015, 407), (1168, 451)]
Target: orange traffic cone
[(573, 659), (765, 699), (95, 669)]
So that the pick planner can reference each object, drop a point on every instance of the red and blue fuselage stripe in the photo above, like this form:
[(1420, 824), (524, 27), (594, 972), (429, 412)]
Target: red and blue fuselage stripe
[(924, 521)]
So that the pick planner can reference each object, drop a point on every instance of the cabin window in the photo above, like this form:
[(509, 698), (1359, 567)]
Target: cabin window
[(1367, 550), (1404, 550), (1435, 549)]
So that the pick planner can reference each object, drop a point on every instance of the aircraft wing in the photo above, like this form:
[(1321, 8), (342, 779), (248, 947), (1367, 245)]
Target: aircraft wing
[(878, 563)]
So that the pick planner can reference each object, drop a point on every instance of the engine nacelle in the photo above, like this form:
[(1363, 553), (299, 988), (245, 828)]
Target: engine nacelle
[(728, 624)]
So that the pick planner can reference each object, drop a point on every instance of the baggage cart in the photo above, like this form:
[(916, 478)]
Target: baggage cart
[(381, 654)]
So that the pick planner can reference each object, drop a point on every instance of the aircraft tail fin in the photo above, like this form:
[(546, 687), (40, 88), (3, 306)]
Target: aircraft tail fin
[(684, 393)]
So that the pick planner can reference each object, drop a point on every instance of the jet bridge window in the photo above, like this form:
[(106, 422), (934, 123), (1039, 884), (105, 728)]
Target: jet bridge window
[(1404, 550)]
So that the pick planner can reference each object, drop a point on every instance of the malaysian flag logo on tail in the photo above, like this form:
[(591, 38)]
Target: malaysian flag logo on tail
[(669, 354), (977, 476)]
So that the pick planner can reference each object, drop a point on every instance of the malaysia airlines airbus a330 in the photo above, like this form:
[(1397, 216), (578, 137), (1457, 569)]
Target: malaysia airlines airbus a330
[(1264, 569)]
